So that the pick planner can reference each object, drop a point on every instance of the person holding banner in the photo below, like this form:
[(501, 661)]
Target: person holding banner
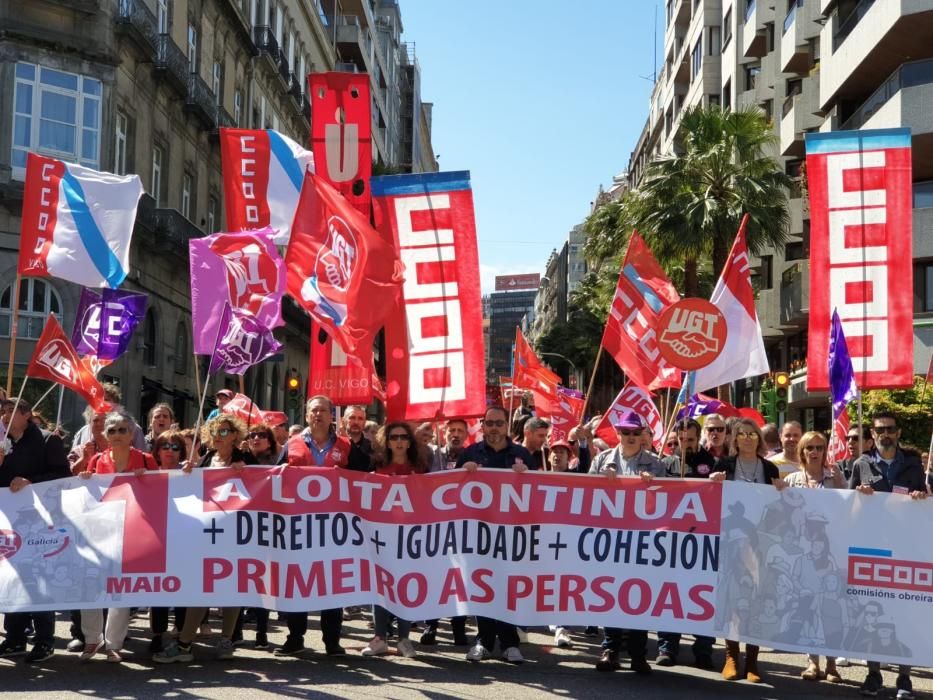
[(361, 447), (495, 451), (888, 469), (809, 571), (118, 458), (852, 446), (395, 454), (746, 462), (628, 459), (222, 436), (28, 456)]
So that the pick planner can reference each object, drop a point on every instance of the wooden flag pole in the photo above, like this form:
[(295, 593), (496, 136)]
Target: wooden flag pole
[(14, 322), (58, 414), (50, 390), (589, 387)]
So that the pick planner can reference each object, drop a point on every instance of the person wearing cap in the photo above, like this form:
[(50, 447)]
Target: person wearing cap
[(222, 398), (628, 459)]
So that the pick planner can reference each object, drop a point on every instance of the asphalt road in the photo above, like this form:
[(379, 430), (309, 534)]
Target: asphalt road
[(438, 672)]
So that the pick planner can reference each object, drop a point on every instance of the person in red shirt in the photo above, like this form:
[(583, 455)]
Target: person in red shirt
[(395, 454), (120, 456)]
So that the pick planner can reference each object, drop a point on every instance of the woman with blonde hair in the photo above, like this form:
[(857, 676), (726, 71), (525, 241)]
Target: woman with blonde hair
[(815, 473)]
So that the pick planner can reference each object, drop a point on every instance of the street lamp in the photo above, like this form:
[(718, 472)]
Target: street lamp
[(575, 375)]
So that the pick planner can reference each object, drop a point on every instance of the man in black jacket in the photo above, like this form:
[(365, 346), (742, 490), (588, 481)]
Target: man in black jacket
[(888, 468), (34, 456)]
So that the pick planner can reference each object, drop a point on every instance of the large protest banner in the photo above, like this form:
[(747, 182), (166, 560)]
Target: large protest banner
[(795, 570)]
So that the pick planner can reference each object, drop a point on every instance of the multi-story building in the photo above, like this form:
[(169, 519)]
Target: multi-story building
[(550, 307), (144, 86), (809, 66), (506, 311), (417, 152), (577, 267)]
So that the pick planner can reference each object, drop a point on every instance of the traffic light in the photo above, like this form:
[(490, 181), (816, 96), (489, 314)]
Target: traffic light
[(766, 406), (781, 389), (293, 389)]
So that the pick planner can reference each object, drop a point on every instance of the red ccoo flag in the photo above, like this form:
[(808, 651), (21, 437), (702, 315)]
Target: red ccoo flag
[(530, 375), (339, 268), (55, 359), (642, 294)]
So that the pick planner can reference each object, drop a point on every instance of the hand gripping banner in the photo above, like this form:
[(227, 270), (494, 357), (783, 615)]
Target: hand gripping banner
[(860, 254), (801, 570), (434, 339)]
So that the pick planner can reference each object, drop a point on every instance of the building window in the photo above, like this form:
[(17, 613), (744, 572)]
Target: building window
[(766, 272), (56, 114), (923, 287), (192, 48), (923, 195), (37, 299), (697, 58), (212, 214), (149, 339), (217, 82), (187, 185), (181, 348), (715, 37), (156, 184), (712, 100), (237, 107), (751, 77), (727, 95), (727, 29), (162, 16), (119, 144)]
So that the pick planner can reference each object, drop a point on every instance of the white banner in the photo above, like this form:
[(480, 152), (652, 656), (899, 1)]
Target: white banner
[(829, 571)]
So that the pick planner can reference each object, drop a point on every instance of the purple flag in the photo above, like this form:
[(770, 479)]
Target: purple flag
[(244, 343), (842, 384), (243, 270), (105, 321)]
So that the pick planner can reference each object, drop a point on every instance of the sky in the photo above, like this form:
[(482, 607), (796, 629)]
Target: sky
[(542, 101)]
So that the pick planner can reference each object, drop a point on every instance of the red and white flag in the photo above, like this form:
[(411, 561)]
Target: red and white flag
[(339, 268), (564, 416), (743, 354), (838, 447), (631, 398), (642, 294), (435, 362), (344, 380), (244, 408), (55, 359)]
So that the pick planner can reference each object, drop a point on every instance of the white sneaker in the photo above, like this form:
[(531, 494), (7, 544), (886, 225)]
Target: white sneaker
[(376, 647), (477, 653), (842, 661), (406, 648), (513, 656), (522, 635), (562, 639)]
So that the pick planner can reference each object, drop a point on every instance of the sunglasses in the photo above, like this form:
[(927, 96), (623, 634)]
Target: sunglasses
[(494, 423), (853, 438), (814, 448), (716, 429), (671, 444), (399, 436), (627, 433), (747, 436), (882, 429), (223, 432), (173, 448), (122, 430), (258, 436)]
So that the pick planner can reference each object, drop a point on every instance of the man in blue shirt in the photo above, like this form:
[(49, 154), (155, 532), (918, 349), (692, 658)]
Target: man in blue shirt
[(496, 451)]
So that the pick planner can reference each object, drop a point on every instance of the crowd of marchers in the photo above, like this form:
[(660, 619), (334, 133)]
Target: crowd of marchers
[(734, 449)]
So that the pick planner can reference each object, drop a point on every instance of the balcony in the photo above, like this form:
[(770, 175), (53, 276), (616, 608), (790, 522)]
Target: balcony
[(850, 23), (795, 294), (201, 101), (902, 100), (353, 41), (223, 119), (758, 14), (294, 88), (136, 21), (798, 116), (306, 107), (171, 64), (795, 50), (173, 231), (265, 41)]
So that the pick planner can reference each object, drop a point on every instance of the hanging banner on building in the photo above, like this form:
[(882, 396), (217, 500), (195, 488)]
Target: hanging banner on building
[(860, 254), (799, 570), (263, 172), (434, 338), (341, 134)]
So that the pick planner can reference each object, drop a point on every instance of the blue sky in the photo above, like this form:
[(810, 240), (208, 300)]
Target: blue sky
[(542, 101)]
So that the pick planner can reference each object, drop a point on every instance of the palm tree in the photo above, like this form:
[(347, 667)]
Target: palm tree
[(689, 206)]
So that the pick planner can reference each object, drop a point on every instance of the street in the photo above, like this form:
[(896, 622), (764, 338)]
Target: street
[(440, 672)]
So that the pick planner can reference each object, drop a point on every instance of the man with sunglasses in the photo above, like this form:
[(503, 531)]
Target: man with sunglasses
[(628, 459), (852, 451), (496, 451), (36, 456), (714, 429), (888, 468)]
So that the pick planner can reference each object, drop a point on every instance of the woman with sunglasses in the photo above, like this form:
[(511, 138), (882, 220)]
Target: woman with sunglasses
[(809, 571), (746, 463), (395, 454), (119, 457), (169, 450), (262, 445), (221, 436)]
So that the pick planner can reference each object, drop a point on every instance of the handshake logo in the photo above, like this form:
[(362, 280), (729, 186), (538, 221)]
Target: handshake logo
[(692, 334)]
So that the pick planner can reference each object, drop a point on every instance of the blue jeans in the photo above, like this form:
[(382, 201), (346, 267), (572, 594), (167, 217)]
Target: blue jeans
[(637, 642), (669, 643)]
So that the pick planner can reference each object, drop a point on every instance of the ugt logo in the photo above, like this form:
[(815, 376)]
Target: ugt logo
[(691, 333), (54, 356), (333, 269)]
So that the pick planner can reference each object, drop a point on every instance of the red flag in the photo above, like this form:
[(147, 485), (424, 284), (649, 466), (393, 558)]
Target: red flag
[(531, 375), (642, 294), (243, 408), (339, 269), (273, 418), (55, 359), (341, 128), (345, 380), (631, 398), (474, 432), (838, 447), (564, 416)]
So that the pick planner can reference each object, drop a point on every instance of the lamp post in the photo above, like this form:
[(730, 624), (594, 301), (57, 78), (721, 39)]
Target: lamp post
[(565, 359)]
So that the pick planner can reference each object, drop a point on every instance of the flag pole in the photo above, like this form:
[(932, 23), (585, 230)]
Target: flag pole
[(589, 387), (14, 322), (197, 374), (58, 413), (207, 382), (18, 397), (49, 391)]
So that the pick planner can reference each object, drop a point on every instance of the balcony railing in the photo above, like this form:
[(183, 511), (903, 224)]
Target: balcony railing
[(281, 62), (791, 16), (908, 75), (172, 61), (294, 88), (174, 229), (306, 107), (133, 16), (749, 9), (223, 119), (201, 99), (851, 22), (265, 41)]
